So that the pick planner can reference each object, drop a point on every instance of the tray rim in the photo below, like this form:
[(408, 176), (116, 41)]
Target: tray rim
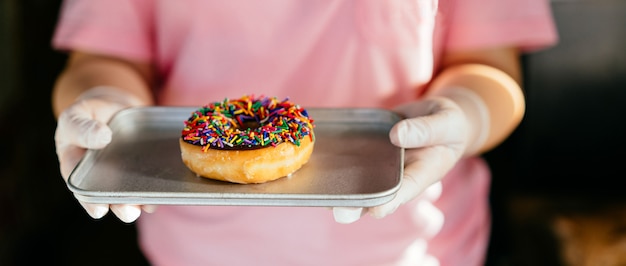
[(232, 199)]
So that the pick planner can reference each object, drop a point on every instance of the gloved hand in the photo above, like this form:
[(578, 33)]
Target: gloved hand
[(83, 126), (436, 133)]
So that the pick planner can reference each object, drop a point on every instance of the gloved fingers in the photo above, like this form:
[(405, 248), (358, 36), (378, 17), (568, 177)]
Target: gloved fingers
[(441, 124), (409, 189), (423, 168), (125, 212), (433, 192), (96, 211), (429, 164), (429, 217), (346, 215), (149, 208), (416, 253), (430, 261)]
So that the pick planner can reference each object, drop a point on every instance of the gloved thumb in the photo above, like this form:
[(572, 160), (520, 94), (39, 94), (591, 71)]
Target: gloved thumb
[(429, 122), (77, 131), (83, 124), (77, 127)]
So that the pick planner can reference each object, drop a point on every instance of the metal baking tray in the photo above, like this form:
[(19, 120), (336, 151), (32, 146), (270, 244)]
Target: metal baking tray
[(353, 164)]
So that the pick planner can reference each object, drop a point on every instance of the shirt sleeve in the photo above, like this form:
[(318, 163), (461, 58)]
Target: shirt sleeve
[(475, 24), (122, 28)]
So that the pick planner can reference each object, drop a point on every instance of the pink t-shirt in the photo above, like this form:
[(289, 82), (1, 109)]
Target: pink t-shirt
[(360, 53)]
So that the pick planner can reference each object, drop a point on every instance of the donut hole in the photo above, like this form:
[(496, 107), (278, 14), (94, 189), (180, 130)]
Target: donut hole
[(251, 124)]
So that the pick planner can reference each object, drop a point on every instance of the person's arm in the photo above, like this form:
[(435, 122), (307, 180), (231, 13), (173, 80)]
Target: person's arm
[(506, 59), (85, 71), (86, 95), (495, 76), (472, 104)]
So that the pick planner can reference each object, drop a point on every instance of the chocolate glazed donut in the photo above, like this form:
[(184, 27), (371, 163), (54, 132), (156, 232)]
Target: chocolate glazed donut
[(247, 140)]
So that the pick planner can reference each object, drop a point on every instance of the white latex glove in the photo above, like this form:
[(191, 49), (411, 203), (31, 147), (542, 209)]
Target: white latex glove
[(436, 133), (83, 126)]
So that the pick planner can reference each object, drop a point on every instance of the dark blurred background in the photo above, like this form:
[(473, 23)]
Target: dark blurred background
[(564, 158), (40, 222)]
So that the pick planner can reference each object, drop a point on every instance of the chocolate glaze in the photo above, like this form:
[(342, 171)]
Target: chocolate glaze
[(234, 147)]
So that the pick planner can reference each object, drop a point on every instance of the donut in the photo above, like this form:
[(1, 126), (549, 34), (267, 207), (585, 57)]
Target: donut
[(247, 140)]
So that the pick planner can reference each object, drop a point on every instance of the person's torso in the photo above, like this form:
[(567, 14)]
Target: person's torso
[(318, 53)]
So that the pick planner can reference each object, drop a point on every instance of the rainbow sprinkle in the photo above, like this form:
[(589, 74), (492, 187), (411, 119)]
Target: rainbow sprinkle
[(247, 123)]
